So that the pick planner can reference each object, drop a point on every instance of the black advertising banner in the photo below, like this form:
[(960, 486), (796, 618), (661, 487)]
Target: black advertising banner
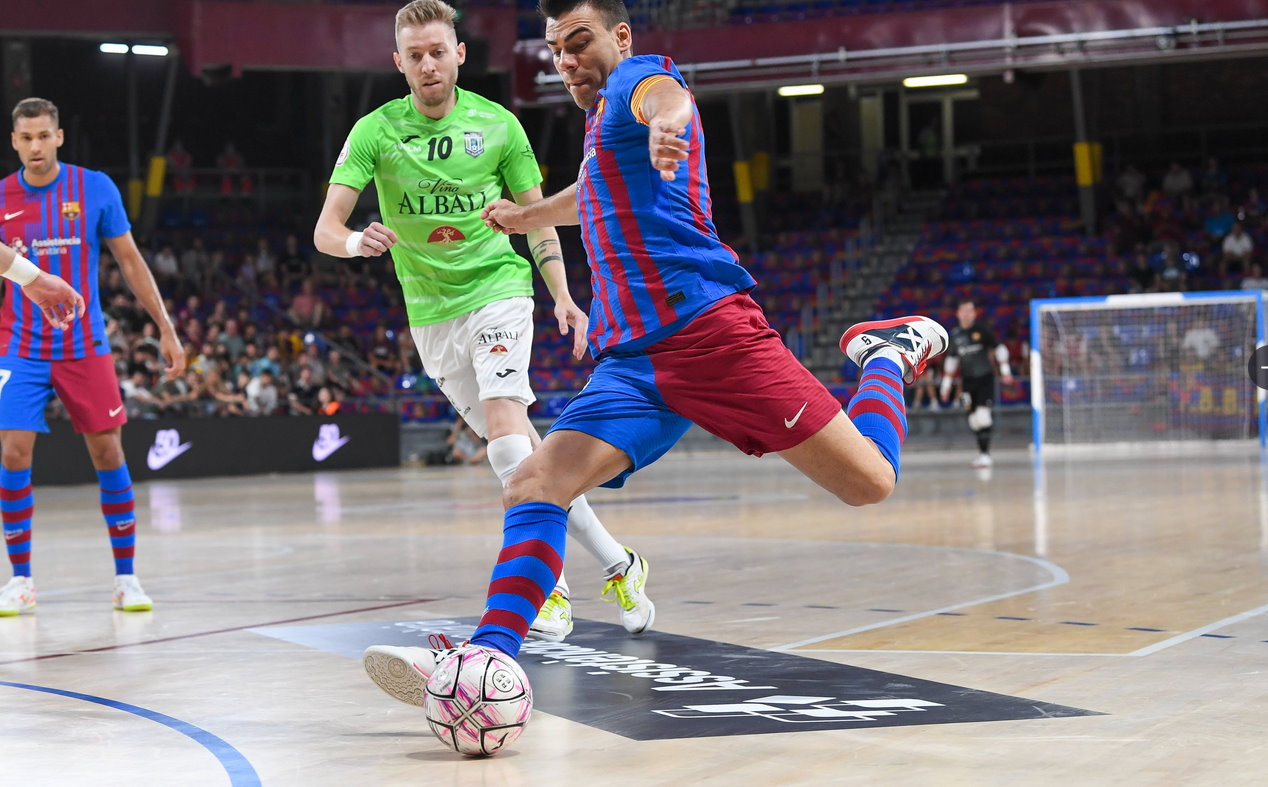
[(663, 686), (196, 448)]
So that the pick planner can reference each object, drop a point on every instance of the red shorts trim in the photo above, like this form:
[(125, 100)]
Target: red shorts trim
[(89, 389), (729, 372)]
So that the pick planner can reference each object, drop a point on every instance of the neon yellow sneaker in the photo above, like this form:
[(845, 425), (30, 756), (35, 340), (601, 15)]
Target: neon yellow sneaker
[(626, 589), (554, 619)]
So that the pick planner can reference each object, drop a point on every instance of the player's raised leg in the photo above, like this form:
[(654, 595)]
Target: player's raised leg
[(856, 456)]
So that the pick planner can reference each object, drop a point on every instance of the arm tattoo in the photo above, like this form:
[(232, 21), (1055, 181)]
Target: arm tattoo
[(547, 251)]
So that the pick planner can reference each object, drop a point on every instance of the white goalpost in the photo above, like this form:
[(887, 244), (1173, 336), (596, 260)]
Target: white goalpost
[(1146, 369)]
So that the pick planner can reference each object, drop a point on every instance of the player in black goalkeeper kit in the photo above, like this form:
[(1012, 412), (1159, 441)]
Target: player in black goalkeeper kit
[(975, 357)]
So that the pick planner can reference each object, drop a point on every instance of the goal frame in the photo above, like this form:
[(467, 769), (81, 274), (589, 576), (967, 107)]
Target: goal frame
[(1134, 301)]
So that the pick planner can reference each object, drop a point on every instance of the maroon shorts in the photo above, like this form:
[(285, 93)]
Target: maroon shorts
[(87, 387), (729, 372)]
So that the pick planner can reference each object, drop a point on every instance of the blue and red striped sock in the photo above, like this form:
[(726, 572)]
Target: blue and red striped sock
[(878, 409), (119, 508), (17, 503), (531, 560)]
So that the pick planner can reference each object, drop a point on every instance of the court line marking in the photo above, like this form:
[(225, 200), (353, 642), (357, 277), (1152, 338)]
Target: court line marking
[(1148, 650), (231, 629), (1059, 577), (239, 769), (1197, 632)]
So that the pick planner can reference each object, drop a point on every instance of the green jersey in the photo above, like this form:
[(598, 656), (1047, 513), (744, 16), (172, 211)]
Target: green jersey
[(433, 178)]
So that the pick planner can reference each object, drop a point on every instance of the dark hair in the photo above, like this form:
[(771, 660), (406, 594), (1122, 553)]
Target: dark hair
[(613, 12), (33, 108), (963, 301)]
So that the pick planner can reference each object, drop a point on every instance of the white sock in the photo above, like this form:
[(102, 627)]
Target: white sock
[(562, 586), (890, 353), (584, 526)]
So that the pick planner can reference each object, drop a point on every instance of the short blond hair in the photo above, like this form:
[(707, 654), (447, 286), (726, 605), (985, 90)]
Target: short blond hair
[(424, 12)]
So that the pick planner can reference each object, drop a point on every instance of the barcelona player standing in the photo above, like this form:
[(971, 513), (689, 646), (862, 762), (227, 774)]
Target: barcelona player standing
[(56, 215)]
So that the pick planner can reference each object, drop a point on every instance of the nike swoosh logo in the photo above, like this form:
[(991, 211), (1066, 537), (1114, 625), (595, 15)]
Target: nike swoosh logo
[(116, 411), (158, 458), (11, 216), (790, 424), (14, 536), (323, 450)]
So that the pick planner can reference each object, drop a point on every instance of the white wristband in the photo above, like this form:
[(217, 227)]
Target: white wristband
[(22, 271), (353, 244)]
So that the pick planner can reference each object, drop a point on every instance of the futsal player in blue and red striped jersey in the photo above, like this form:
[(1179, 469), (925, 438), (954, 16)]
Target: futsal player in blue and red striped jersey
[(57, 215), (676, 335)]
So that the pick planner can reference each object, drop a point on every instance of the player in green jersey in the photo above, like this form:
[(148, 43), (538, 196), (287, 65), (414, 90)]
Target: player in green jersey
[(437, 157)]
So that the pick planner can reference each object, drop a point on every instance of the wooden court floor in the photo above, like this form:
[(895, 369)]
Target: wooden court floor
[(1132, 589)]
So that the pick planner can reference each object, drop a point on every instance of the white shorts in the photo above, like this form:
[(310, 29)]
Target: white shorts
[(480, 355)]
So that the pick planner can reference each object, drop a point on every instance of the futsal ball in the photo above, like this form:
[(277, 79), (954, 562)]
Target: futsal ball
[(477, 701)]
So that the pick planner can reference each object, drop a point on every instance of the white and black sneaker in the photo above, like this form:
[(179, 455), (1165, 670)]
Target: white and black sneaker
[(402, 672), (916, 339)]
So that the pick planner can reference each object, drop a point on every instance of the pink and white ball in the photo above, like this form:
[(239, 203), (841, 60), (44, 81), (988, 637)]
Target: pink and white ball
[(478, 701)]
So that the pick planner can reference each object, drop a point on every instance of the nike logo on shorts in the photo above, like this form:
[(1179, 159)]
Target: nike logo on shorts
[(790, 424), (116, 411)]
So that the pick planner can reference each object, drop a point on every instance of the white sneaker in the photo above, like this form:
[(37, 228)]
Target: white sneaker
[(128, 595), (626, 589), (554, 619), (917, 340), (402, 672), (982, 462), (17, 597)]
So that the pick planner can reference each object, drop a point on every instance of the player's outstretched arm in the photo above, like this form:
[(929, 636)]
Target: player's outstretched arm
[(510, 218), (549, 256), (332, 236), (58, 301), (137, 274), (667, 109)]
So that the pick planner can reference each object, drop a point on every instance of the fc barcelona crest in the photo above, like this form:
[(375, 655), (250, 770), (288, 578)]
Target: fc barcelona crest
[(474, 141), (70, 210)]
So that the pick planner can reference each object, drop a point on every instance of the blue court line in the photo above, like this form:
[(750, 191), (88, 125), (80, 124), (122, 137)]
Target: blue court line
[(240, 771)]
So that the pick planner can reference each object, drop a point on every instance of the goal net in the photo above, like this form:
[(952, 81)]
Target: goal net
[(1146, 368)]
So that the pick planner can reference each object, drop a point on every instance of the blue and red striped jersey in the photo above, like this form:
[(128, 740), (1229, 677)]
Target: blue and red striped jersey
[(656, 260), (59, 227)]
